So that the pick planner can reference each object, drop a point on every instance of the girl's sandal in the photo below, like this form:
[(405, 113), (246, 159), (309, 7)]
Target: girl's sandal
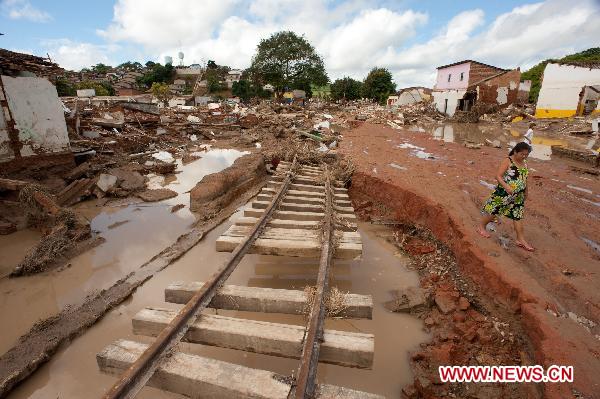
[(526, 247)]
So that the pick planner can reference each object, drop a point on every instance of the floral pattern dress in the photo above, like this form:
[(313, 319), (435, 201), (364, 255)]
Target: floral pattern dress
[(510, 205)]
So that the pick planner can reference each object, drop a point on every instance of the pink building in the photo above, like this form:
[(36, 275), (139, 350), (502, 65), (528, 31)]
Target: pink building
[(460, 85)]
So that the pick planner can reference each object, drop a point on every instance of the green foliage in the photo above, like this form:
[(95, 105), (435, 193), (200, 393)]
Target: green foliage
[(101, 88), (288, 61), (213, 79), (211, 64), (535, 73), (101, 69), (131, 66), (150, 64), (242, 89), (323, 92), (378, 85), (157, 73), (346, 89), (161, 91), (64, 88)]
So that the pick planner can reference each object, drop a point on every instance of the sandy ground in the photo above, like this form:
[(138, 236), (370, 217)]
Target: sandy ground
[(553, 291)]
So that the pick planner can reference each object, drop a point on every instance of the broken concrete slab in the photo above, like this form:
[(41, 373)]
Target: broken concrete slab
[(189, 375), (106, 182), (343, 348), (412, 299), (158, 194)]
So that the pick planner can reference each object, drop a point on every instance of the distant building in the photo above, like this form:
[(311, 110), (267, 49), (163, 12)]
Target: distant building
[(233, 76), (569, 89), (127, 84), (462, 84), (410, 95)]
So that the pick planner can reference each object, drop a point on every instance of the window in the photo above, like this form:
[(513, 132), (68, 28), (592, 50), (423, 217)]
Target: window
[(462, 76), (449, 76)]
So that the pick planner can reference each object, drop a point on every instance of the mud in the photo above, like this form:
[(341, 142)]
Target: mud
[(73, 372), (44, 338), (216, 190), (444, 196)]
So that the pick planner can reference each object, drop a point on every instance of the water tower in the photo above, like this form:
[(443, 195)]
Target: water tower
[(168, 60), (180, 55)]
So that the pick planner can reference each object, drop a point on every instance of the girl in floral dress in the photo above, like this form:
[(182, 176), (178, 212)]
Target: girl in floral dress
[(508, 199)]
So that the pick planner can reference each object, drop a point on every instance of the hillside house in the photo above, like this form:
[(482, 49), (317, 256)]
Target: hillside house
[(462, 84), (569, 89)]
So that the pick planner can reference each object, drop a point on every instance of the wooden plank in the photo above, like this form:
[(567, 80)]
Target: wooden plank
[(291, 215), (342, 348), (189, 375), (282, 247), (306, 194), (286, 206), (267, 300), (303, 200), (296, 234), (307, 187)]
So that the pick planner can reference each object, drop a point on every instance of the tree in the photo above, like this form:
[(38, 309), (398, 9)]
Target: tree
[(346, 89), (64, 88), (243, 90), (162, 92), (286, 61), (211, 64), (101, 69), (101, 88), (157, 73), (378, 85), (131, 66)]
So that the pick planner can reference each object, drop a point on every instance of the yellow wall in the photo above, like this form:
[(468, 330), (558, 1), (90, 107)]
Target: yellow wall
[(555, 113)]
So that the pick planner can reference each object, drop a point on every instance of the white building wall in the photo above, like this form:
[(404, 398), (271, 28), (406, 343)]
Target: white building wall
[(561, 85), (38, 115), (440, 97)]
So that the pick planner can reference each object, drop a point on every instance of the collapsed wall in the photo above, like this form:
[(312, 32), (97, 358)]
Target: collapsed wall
[(216, 191)]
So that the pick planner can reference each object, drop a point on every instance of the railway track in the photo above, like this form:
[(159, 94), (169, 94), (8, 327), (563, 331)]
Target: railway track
[(301, 212)]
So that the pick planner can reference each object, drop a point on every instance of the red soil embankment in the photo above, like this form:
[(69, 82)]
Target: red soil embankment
[(444, 196)]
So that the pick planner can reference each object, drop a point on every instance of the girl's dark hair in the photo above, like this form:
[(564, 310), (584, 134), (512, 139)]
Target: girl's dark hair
[(520, 147)]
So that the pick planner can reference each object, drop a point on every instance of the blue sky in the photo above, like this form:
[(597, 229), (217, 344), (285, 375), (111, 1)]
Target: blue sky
[(409, 37)]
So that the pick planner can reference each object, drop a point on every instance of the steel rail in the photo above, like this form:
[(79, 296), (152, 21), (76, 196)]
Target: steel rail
[(138, 374), (305, 384)]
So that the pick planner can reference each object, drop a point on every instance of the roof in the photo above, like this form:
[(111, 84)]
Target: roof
[(471, 61), (11, 63), (424, 89)]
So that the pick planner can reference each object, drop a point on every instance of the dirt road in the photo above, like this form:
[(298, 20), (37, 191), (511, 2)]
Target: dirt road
[(441, 186)]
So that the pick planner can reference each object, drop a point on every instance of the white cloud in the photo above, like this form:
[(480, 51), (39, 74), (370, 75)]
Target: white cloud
[(351, 36), (22, 9), (76, 55)]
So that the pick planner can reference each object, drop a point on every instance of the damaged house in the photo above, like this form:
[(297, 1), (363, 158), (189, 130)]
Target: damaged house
[(32, 121), (461, 85), (569, 89), (410, 95)]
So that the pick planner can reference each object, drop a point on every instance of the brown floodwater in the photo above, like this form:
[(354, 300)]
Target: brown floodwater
[(149, 228), (507, 136), (73, 372)]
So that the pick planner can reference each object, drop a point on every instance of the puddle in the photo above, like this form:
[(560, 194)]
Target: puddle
[(134, 232), (507, 137), (73, 373)]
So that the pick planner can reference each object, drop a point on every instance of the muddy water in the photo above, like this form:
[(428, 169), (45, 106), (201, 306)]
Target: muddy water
[(508, 137), (73, 373), (134, 232)]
